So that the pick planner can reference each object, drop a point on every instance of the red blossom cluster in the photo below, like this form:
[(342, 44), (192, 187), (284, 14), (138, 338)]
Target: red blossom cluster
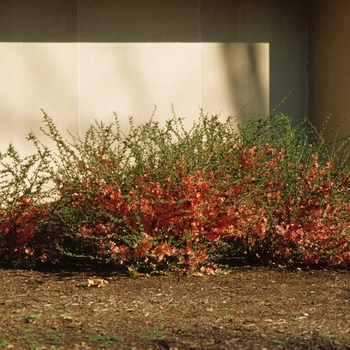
[(23, 239), (314, 226), (192, 219)]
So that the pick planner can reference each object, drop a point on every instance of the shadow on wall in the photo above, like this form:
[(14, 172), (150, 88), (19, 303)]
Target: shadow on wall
[(247, 71)]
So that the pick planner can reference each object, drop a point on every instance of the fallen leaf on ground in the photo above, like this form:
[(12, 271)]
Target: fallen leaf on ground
[(96, 282)]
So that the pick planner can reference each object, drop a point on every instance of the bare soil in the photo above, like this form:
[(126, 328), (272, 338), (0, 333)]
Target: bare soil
[(249, 308)]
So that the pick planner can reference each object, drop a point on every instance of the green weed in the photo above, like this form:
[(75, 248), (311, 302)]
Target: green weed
[(104, 341), (31, 316), (3, 344), (324, 336)]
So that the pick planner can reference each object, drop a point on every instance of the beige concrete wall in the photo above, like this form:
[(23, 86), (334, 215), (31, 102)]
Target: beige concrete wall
[(80, 61), (329, 62), (280, 24)]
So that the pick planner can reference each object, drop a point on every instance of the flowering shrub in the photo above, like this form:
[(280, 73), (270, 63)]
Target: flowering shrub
[(164, 198), (23, 235)]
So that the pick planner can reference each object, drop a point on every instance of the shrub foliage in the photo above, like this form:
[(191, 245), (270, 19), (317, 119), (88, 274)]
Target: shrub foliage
[(159, 198)]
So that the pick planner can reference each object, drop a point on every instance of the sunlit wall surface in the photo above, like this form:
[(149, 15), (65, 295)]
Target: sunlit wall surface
[(83, 60)]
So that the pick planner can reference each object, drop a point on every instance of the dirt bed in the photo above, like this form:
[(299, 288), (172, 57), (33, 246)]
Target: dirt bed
[(249, 308)]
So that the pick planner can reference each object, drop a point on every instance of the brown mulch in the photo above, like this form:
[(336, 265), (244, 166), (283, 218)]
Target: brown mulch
[(249, 308)]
